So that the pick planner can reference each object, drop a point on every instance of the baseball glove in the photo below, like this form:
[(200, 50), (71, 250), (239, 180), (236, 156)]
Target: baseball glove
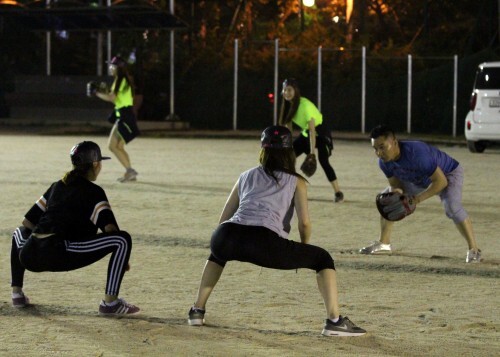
[(309, 165), (91, 88), (103, 87), (395, 206)]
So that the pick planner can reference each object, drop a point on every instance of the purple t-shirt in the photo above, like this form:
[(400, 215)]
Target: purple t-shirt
[(417, 163)]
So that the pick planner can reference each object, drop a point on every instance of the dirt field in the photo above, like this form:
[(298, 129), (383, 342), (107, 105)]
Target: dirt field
[(421, 300)]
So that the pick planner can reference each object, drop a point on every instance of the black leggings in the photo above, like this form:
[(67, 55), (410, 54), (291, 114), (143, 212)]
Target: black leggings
[(57, 254), (301, 145), (263, 247)]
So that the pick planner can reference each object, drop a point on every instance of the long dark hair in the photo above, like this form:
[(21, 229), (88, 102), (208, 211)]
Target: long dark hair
[(121, 74), (78, 171), (288, 109), (283, 160)]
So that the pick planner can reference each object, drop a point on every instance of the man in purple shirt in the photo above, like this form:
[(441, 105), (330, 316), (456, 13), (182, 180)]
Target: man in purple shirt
[(420, 170)]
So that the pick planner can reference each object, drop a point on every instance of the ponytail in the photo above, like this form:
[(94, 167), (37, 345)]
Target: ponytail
[(78, 171)]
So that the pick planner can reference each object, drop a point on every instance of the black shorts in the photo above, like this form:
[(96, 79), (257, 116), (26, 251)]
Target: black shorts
[(126, 122)]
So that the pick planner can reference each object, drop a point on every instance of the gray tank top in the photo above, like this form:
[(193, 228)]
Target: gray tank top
[(263, 202)]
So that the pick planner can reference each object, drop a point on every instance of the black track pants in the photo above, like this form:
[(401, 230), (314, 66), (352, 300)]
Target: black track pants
[(57, 254)]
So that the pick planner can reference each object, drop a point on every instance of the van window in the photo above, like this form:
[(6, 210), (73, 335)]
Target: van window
[(488, 78)]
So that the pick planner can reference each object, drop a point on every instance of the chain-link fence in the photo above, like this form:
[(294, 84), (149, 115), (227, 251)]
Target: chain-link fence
[(354, 91)]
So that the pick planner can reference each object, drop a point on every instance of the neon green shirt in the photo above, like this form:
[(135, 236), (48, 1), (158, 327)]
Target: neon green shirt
[(305, 112), (124, 96)]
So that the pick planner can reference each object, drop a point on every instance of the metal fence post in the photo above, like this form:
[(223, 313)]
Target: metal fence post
[(100, 41), (48, 54), (276, 59), (48, 48), (408, 113), (363, 89), (108, 39), (235, 88), (172, 115)]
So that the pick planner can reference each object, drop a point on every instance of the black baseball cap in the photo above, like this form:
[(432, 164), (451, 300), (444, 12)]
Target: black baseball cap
[(86, 152), (118, 61), (276, 137)]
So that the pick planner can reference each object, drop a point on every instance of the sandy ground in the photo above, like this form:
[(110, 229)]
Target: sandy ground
[(421, 300)]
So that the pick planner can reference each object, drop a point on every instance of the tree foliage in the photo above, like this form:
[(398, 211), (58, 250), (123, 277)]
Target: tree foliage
[(385, 27), (389, 30), (420, 27)]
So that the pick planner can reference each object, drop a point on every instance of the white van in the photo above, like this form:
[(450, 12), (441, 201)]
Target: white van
[(482, 123)]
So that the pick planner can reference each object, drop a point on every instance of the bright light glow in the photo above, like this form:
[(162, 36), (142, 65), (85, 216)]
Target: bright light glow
[(10, 2), (348, 11), (308, 3), (63, 35), (336, 19)]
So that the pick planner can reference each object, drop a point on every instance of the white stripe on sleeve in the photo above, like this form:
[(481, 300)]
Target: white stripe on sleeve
[(99, 207), (42, 203)]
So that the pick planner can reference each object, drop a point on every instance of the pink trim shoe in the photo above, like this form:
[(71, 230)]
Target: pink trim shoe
[(119, 308), (20, 301)]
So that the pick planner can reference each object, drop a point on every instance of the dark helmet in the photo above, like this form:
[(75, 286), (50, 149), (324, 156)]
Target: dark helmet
[(86, 152), (118, 61), (276, 137)]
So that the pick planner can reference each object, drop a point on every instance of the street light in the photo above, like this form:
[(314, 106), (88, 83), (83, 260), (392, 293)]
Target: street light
[(307, 3)]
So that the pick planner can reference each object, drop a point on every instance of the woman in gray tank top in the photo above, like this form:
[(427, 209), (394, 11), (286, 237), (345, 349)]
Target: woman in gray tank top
[(254, 227)]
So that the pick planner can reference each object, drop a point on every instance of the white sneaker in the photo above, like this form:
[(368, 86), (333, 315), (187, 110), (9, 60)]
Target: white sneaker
[(376, 247), (130, 175), (473, 256)]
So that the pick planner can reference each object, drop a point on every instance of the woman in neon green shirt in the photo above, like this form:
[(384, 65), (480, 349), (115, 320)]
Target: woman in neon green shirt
[(303, 113), (123, 118)]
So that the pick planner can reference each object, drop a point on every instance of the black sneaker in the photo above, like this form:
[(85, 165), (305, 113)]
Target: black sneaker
[(196, 317), (343, 327), (339, 197)]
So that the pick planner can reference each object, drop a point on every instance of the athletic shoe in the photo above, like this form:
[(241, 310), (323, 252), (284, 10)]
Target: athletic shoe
[(20, 300), (130, 175), (118, 308), (343, 327), (196, 317), (473, 256), (376, 247), (339, 197)]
